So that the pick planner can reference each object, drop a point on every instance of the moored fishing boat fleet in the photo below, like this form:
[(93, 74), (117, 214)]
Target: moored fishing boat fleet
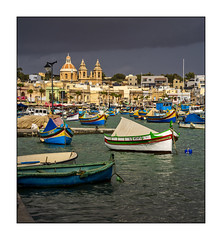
[(59, 169)]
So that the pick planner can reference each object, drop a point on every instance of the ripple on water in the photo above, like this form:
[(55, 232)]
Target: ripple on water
[(157, 188)]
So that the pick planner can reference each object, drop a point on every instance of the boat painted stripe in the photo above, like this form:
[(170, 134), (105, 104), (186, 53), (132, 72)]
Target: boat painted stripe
[(92, 120), (149, 141), (62, 132), (138, 143), (142, 139), (51, 133), (161, 117)]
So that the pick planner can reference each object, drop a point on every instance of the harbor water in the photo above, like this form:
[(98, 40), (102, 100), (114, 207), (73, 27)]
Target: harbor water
[(167, 188)]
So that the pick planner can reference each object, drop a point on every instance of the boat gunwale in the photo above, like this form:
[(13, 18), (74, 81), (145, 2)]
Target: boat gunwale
[(97, 118), (105, 166), (110, 136), (71, 158), (60, 165)]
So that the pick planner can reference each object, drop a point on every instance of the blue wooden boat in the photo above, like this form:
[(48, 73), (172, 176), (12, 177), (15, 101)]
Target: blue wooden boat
[(194, 118), (56, 132), (167, 117), (131, 114), (93, 120), (163, 106), (64, 175), (142, 112)]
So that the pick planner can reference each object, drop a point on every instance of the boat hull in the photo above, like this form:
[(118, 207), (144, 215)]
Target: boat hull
[(101, 120), (58, 178), (73, 118), (191, 125), (162, 119), (62, 136), (158, 143), (47, 159)]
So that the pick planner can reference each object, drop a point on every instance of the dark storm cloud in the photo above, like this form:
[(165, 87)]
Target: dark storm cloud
[(43, 36)]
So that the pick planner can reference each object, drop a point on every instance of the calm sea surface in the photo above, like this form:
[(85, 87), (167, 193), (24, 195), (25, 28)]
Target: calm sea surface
[(157, 189)]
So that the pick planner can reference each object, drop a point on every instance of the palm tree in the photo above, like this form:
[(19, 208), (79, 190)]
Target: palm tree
[(30, 91), (41, 90)]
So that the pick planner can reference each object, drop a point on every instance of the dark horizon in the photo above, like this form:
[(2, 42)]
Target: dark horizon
[(128, 45)]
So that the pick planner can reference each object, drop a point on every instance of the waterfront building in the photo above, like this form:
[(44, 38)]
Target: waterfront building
[(153, 81), (34, 78), (179, 96), (132, 80), (178, 84)]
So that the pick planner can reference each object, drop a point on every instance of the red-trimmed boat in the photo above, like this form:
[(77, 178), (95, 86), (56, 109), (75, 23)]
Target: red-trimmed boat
[(131, 136), (93, 119), (161, 118)]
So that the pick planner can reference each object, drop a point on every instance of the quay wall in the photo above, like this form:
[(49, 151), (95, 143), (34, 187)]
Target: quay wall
[(34, 132), (23, 215)]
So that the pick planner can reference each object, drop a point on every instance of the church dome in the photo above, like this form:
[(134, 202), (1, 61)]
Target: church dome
[(68, 66)]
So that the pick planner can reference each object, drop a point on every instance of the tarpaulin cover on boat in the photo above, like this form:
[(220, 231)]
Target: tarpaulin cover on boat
[(21, 105), (127, 127), (53, 123), (193, 118)]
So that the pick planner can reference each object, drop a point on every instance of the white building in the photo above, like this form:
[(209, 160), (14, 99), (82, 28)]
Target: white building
[(34, 78), (153, 81), (132, 80), (179, 96), (198, 80)]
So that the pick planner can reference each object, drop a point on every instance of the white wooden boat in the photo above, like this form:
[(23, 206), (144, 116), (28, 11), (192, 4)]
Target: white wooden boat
[(131, 136), (192, 125), (46, 159), (73, 117), (196, 109)]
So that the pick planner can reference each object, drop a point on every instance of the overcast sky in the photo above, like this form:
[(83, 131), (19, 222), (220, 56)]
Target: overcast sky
[(122, 45)]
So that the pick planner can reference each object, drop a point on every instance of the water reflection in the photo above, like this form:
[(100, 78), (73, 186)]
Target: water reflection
[(157, 188)]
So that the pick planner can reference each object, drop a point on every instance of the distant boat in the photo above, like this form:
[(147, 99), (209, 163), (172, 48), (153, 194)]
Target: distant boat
[(64, 175), (73, 117), (192, 121), (161, 118), (185, 107), (46, 159), (142, 112), (56, 132), (93, 120), (124, 111), (196, 109), (40, 112), (164, 106), (131, 136)]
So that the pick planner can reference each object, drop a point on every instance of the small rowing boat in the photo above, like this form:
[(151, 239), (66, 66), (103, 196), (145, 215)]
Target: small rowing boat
[(64, 175), (46, 159)]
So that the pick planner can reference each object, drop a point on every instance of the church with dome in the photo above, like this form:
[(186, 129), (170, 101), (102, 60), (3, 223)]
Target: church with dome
[(68, 73)]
